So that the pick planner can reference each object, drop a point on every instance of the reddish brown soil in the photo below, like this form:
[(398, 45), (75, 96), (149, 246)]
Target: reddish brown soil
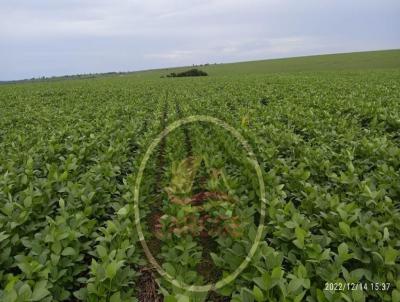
[(148, 286)]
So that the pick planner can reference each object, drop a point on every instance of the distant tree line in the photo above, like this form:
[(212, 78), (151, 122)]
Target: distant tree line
[(190, 73), (64, 77)]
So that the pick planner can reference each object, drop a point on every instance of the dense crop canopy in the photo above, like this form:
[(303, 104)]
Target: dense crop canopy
[(328, 144)]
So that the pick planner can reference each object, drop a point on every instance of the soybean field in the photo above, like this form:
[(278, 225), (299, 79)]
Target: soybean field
[(324, 131)]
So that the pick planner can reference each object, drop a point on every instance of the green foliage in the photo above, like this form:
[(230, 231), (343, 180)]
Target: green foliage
[(328, 144), (189, 73)]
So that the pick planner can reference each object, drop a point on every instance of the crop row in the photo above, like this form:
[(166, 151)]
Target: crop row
[(328, 144)]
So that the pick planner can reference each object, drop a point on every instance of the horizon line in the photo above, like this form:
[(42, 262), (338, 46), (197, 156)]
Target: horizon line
[(89, 74)]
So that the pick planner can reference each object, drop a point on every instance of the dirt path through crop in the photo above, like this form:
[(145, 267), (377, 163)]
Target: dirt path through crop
[(148, 287), (206, 267)]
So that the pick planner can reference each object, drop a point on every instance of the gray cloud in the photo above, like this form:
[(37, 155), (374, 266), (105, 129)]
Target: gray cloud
[(47, 37)]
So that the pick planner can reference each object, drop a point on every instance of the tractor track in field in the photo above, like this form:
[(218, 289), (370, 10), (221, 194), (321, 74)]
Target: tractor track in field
[(206, 267), (188, 141), (160, 162), (148, 287)]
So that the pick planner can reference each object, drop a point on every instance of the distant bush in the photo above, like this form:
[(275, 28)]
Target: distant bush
[(189, 73)]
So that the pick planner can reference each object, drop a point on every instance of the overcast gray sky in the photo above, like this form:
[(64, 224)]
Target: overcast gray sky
[(57, 37)]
